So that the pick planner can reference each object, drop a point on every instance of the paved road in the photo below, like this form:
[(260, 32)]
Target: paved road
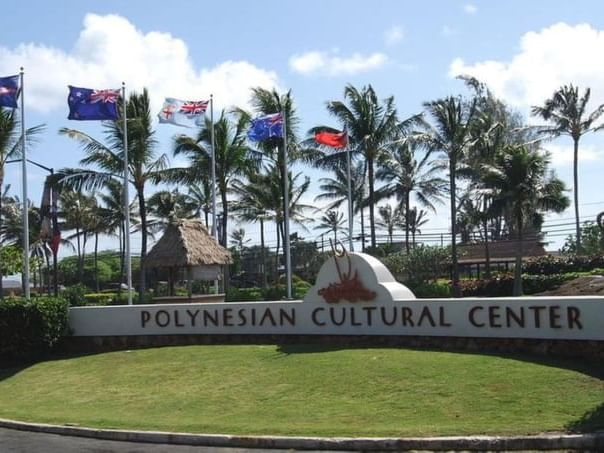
[(13, 441)]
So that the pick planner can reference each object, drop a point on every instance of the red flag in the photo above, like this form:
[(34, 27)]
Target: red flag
[(333, 139)]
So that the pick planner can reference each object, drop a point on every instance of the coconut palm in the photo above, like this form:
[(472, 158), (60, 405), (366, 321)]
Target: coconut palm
[(371, 125), (200, 197), (405, 173), (521, 185), (166, 206), (389, 219), (10, 148), (144, 165), (450, 134), (232, 157), (336, 189), (567, 113), (331, 221), (416, 220)]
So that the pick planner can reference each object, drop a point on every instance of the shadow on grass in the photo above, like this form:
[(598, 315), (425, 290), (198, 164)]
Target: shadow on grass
[(591, 421)]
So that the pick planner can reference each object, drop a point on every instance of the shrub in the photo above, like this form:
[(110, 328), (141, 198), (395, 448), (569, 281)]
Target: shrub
[(74, 295), (104, 298), (502, 285), (30, 329), (244, 294), (549, 265), (422, 264), (435, 290)]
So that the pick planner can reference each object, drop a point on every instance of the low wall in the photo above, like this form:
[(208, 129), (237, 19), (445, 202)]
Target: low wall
[(582, 349)]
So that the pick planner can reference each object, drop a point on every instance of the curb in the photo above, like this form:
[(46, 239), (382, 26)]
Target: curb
[(583, 442)]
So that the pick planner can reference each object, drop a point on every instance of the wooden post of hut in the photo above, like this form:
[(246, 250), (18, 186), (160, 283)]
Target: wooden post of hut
[(186, 245)]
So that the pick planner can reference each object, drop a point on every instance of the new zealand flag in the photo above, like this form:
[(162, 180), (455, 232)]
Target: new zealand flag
[(88, 104), (9, 91)]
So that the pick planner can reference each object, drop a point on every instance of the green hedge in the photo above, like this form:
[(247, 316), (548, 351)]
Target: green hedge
[(30, 329), (552, 265), (502, 285)]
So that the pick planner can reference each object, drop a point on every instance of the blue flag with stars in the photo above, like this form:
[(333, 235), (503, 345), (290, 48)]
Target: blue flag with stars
[(88, 104), (266, 127), (9, 91)]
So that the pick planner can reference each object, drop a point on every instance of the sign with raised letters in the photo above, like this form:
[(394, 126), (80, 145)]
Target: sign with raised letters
[(356, 295)]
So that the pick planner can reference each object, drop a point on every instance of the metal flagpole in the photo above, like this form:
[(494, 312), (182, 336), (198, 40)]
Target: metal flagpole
[(127, 201), (350, 246), (213, 164), (25, 213), (288, 261)]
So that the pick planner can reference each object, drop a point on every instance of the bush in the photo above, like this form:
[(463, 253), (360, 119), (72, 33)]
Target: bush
[(435, 290), (422, 264), (550, 265), (244, 294), (30, 329), (104, 298), (74, 295), (502, 285)]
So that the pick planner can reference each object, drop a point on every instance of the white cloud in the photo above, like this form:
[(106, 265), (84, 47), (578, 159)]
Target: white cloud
[(547, 59), (470, 8), (394, 35), (330, 64), (110, 50)]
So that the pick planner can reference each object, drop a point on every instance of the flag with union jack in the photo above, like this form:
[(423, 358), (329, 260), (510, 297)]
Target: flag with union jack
[(183, 113), (265, 127), (9, 91), (89, 104)]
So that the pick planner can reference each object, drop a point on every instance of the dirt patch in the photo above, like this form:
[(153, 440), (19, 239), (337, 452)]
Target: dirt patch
[(582, 286)]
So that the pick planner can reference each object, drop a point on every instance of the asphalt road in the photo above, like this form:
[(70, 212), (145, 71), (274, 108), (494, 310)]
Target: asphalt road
[(13, 441)]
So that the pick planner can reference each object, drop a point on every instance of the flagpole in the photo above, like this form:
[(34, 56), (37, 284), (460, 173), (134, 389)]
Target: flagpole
[(25, 213), (213, 171), (127, 201), (350, 223), (288, 261)]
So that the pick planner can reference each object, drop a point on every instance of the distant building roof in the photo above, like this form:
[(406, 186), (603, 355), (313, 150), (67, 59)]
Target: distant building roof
[(502, 251)]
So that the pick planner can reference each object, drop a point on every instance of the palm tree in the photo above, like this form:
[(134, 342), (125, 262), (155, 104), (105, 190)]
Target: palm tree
[(231, 155), (331, 221), (166, 206), (143, 164), (336, 189), (10, 148), (371, 125), (406, 174), (520, 184), (566, 110), (389, 219), (200, 196), (416, 220), (451, 135)]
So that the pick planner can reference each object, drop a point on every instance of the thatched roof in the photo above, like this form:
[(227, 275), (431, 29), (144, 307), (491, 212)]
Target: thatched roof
[(501, 251), (186, 243)]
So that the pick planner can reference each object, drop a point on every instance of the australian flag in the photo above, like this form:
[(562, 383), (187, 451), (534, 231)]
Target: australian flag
[(88, 104), (265, 127), (9, 91)]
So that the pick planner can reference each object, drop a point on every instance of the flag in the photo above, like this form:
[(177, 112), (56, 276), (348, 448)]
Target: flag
[(9, 91), (333, 139), (183, 113), (89, 104), (265, 127)]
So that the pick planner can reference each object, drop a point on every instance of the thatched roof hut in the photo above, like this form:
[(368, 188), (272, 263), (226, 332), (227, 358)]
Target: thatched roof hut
[(187, 246), (186, 243)]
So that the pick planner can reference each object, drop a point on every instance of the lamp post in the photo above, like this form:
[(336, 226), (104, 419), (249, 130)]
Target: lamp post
[(54, 254)]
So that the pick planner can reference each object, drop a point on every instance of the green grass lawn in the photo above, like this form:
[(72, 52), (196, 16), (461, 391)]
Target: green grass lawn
[(307, 390)]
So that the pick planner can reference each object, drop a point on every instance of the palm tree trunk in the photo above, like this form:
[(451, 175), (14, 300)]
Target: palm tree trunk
[(122, 239), (80, 264), (96, 264), (225, 215), (518, 263), (576, 187), (277, 254), (362, 230), (454, 265), (143, 213), (407, 209), (47, 259), (263, 255), (371, 201), (487, 252)]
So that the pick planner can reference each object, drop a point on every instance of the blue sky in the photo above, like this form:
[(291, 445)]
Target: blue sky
[(412, 50)]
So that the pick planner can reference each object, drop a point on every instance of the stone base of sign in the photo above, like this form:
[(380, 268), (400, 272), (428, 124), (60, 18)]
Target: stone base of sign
[(583, 349)]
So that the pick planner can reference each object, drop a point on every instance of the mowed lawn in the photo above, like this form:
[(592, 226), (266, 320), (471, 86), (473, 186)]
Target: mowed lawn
[(307, 390)]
